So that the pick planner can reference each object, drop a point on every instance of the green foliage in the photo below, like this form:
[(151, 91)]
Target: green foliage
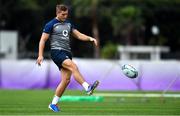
[(29, 4), (125, 19), (116, 19), (159, 40), (84, 7), (109, 51)]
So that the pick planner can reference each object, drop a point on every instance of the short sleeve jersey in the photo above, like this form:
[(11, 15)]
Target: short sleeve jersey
[(59, 34)]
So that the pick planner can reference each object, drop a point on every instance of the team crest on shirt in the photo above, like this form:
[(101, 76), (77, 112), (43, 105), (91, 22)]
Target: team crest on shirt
[(65, 33)]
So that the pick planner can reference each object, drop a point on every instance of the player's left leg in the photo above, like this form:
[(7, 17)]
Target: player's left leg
[(65, 79)]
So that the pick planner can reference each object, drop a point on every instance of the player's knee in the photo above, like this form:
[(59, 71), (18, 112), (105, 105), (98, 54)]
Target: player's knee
[(66, 81), (74, 68), (71, 66)]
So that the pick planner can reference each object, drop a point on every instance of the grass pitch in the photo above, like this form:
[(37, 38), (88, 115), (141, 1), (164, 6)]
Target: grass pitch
[(35, 102)]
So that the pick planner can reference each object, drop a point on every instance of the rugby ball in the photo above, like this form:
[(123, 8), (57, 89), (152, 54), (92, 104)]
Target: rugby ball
[(129, 71)]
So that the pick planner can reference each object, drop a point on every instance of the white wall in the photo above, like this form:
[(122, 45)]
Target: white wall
[(8, 44)]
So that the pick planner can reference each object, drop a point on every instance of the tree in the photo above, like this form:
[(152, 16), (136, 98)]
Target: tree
[(88, 8), (126, 21)]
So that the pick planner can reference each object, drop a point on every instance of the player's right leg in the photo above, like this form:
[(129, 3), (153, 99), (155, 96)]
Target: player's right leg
[(65, 79), (71, 66)]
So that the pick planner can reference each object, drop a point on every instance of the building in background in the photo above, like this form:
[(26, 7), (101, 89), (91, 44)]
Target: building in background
[(8, 44)]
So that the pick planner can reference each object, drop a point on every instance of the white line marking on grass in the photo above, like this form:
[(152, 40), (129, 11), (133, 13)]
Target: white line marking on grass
[(136, 95)]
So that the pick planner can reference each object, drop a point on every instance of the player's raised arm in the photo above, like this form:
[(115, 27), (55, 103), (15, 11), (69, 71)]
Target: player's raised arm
[(44, 38), (83, 37)]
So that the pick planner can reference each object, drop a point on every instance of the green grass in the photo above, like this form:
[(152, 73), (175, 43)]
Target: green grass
[(35, 102)]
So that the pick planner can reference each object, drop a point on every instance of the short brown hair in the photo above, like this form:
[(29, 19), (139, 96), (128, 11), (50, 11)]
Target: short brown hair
[(61, 7)]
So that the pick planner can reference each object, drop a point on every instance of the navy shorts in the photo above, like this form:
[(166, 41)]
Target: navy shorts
[(58, 56)]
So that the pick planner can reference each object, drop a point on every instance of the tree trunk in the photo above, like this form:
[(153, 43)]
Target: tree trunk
[(95, 31)]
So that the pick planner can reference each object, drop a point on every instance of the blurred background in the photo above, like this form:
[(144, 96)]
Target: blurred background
[(144, 34)]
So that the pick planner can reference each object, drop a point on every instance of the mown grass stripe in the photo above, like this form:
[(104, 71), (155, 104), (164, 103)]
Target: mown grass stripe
[(136, 95)]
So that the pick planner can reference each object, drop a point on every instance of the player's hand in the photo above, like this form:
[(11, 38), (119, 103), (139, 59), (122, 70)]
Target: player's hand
[(94, 40), (39, 60)]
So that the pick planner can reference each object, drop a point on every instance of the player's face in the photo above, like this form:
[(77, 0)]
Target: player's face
[(62, 15)]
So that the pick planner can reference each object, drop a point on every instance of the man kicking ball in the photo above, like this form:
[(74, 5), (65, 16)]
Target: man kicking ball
[(58, 30)]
